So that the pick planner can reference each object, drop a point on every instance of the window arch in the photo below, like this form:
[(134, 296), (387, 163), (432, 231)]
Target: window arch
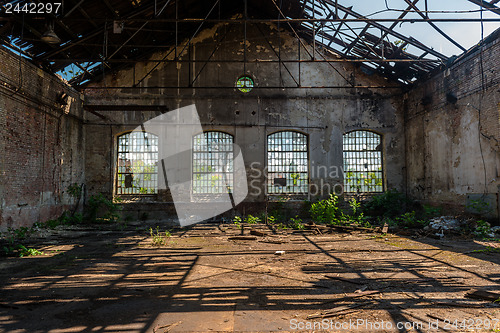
[(363, 162), (137, 164), (212, 163), (287, 163)]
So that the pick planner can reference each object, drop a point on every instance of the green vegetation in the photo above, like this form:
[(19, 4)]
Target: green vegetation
[(431, 211), (20, 233), (237, 220), (325, 211), (14, 247), (407, 220), (20, 251), (278, 210), (28, 251), (75, 190), (357, 216), (483, 229), (252, 219), (388, 204), (488, 249), (65, 219), (399, 42), (479, 206), (100, 209), (391, 207), (364, 180), (296, 223), (159, 238)]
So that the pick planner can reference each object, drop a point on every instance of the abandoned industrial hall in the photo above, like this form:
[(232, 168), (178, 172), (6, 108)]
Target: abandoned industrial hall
[(221, 165)]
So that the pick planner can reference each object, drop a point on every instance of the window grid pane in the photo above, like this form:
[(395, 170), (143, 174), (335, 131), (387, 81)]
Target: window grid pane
[(287, 163), (137, 163), (362, 162), (212, 163)]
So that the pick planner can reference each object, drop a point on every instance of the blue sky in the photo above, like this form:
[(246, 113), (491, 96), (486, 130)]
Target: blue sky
[(465, 33)]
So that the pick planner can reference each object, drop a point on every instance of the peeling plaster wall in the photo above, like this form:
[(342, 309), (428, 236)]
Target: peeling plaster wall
[(41, 144), (446, 144), (324, 113)]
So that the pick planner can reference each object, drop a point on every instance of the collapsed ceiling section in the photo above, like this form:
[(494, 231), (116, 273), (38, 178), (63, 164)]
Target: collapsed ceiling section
[(82, 39)]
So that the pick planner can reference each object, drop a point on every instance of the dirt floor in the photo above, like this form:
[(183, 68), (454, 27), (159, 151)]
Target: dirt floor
[(111, 279)]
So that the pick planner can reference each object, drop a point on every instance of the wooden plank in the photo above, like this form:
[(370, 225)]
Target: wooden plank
[(351, 296), (483, 295), (273, 241), (257, 233), (242, 238), (345, 279), (458, 304), (337, 310)]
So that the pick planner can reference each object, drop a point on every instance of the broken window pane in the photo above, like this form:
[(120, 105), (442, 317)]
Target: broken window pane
[(287, 163), (212, 163), (137, 165), (362, 162)]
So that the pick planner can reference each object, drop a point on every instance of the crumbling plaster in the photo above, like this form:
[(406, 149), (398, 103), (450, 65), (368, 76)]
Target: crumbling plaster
[(450, 154)]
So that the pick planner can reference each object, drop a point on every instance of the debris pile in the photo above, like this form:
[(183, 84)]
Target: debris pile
[(444, 223)]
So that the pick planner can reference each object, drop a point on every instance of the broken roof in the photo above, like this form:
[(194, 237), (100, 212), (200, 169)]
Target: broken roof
[(96, 35)]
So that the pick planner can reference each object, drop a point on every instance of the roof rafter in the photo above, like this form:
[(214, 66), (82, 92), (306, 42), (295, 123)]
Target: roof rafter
[(435, 26), (321, 27), (410, 40), (91, 34), (488, 5)]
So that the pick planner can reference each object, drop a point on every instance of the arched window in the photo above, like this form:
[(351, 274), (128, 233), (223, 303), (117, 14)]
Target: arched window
[(212, 163), (363, 162), (137, 165), (287, 163)]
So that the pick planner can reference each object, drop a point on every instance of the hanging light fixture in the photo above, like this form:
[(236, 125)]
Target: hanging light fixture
[(50, 36)]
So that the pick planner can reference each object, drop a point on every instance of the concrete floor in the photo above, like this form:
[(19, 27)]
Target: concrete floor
[(114, 280)]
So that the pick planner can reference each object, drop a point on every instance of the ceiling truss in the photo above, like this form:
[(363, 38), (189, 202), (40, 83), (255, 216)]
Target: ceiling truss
[(332, 32)]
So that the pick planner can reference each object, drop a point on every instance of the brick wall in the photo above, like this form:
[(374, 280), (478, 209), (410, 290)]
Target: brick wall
[(41, 143), (452, 129)]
